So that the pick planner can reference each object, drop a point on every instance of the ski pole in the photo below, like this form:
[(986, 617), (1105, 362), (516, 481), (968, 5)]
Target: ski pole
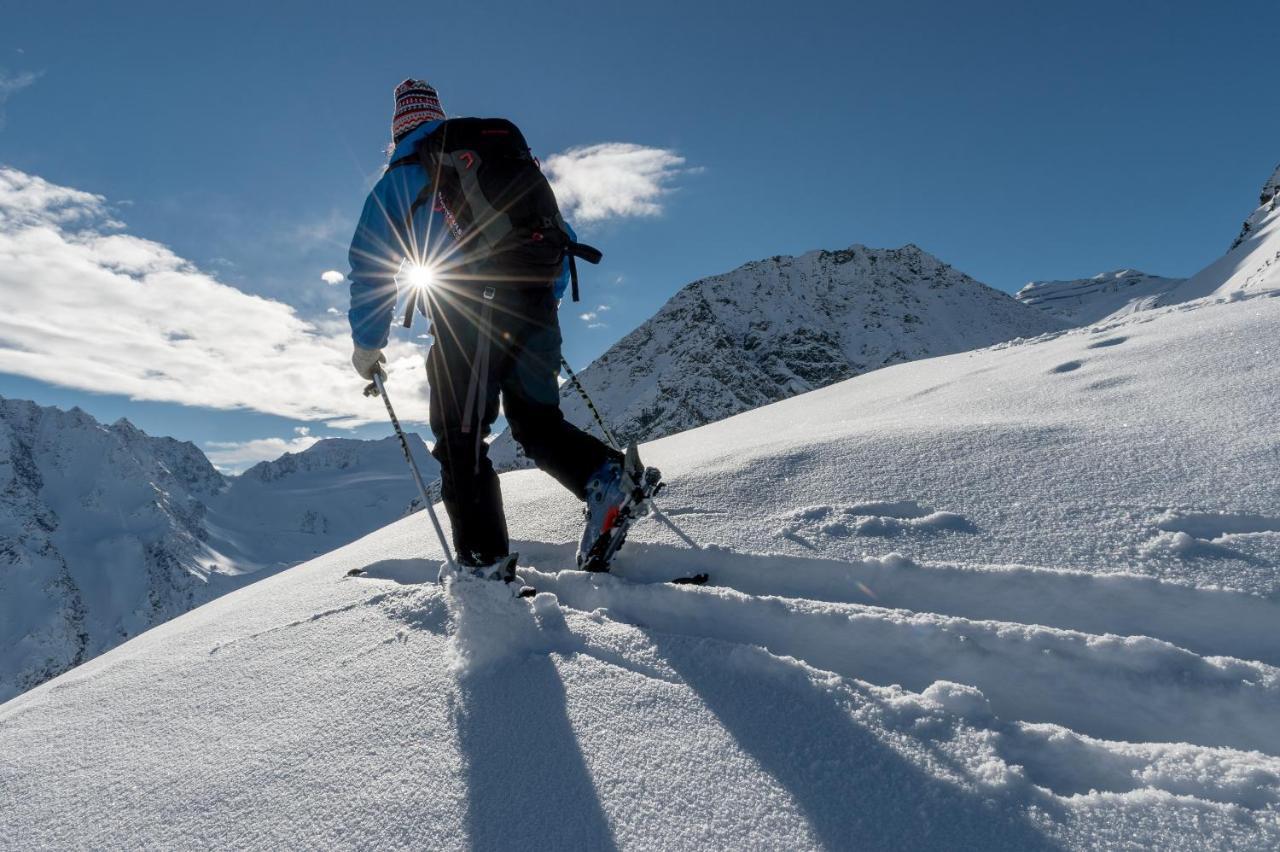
[(582, 392), (604, 427), (377, 388)]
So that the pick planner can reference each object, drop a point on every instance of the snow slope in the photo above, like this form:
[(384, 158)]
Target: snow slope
[(106, 531), (785, 325), (1253, 263), (1018, 598), (1084, 301)]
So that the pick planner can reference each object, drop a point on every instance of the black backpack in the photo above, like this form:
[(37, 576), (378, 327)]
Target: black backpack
[(498, 204)]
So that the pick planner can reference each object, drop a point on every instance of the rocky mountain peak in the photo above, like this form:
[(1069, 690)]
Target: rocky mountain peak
[(780, 326)]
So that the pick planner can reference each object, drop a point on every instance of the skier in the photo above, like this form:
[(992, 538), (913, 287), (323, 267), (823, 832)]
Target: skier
[(493, 316)]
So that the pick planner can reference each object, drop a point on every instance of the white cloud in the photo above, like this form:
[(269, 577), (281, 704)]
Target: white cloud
[(612, 179), (108, 312), (235, 456), (602, 308), (588, 316), (332, 277)]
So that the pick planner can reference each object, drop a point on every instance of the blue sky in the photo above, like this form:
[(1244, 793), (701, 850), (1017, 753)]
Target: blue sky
[(1016, 141)]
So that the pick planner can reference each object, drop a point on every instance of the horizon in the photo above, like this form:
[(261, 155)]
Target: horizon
[(917, 132)]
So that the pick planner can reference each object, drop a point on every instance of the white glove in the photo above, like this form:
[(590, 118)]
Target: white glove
[(366, 362)]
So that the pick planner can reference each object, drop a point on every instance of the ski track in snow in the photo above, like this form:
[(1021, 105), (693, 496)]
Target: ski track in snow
[(1143, 687)]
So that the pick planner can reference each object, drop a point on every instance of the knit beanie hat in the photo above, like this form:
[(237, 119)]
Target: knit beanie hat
[(416, 104)]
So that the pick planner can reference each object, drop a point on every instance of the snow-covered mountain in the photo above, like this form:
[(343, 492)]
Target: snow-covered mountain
[(1084, 301), (1019, 598), (1251, 265), (106, 531), (102, 535), (785, 325), (304, 504)]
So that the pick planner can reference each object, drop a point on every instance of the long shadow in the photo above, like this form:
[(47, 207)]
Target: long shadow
[(856, 792), (528, 786)]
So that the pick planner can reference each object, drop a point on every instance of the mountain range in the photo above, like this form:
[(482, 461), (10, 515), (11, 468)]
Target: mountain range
[(106, 531), (1019, 598)]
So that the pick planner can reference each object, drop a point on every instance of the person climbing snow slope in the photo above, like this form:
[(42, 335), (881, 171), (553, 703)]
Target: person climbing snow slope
[(463, 221)]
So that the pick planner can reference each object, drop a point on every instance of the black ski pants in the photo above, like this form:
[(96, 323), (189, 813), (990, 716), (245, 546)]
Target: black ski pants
[(493, 341)]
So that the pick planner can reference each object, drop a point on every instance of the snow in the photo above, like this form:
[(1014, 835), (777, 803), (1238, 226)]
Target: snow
[(1251, 266), (975, 601), (1085, 301), (107, 531), (784, 325), (305, 504)]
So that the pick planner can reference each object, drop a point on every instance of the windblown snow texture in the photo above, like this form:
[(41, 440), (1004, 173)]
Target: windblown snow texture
[(785, 325), (106, 531), (978, 601)]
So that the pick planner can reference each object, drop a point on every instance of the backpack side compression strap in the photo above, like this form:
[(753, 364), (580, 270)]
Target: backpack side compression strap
[(573, 251)]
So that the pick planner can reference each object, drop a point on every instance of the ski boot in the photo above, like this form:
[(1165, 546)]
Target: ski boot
[(503, 570), (617, 494)]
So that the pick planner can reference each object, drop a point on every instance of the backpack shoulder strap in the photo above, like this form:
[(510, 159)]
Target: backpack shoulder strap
[(418, 157)]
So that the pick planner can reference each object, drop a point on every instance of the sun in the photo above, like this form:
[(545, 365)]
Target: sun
[(419, 275)]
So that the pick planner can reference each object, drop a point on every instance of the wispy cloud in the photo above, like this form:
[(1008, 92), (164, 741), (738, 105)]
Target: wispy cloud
[(11, 84), (86, 306), (333, 229), (236, 456), (612, 180)]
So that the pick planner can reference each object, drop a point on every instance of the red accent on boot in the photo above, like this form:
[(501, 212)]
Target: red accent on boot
[(610, 518)]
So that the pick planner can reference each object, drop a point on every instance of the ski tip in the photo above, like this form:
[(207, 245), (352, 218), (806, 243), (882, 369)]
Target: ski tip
[(695, 580), (355, 572), (527, 592)]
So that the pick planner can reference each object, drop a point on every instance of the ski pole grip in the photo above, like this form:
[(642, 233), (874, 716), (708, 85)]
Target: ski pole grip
[(374, 388)]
